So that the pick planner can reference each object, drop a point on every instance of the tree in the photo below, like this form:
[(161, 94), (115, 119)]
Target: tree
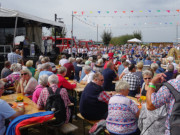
[(106, 37), (62, 32), (137, 34)]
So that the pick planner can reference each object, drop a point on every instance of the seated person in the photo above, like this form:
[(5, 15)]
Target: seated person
[(14, 76), (147, 77), (98, 67), (122, 112), (53, 83), (61, 73), (46, 70), (78, 68), (109, 76), (147, 61), (169, 73), (133, 80), (154, 67), (89, 75), (29, 65), (70, 68), (94, 100), (43, 82), (27, 83), (126, 70), (6, 70), (6, 111)]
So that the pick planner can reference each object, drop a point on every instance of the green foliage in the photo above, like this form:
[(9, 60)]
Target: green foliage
[(62, 34), (121, 40), (137, 34), (106, 37)]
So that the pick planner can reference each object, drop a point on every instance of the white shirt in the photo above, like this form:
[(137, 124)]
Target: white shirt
[(63, 61), (126, 70), (6, 112), (88, 78)]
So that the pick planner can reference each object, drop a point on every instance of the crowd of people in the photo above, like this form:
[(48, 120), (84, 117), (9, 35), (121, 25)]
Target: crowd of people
[(109, 76)]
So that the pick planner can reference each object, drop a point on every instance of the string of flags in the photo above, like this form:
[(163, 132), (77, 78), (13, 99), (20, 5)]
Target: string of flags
[(93, 24), (125, 11)]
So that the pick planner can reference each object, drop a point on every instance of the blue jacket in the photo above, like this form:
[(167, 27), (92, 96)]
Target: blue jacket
[(12, 126)]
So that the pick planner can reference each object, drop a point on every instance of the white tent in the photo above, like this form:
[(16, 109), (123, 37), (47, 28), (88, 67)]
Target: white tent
[(13, 13), (33, 24), (134, 40)]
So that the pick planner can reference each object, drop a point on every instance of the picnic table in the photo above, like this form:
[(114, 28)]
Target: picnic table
[(30, 106)]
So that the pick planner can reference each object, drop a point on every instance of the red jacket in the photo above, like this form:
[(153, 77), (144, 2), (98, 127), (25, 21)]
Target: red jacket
[(64, 83)]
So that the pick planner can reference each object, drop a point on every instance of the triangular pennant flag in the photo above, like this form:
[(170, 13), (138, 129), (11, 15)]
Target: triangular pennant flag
[(99, 12), (132, 11), (75, 12), (168, 11), (170, 23), (140, 11), (166, 23), (149, 10), (158, 10), (107, 12), (124, 11), (104, 24), (115, 12), (178, 10), (91, 12), (82, 12)]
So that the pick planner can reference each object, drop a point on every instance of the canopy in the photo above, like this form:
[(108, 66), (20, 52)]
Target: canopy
[(7, 19), (134, 40)]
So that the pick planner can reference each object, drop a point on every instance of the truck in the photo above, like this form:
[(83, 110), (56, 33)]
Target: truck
[(87, 44), (61, 43)]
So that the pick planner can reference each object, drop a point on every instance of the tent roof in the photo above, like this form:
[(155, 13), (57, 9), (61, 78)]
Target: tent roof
[(134, 40), (7, 19)]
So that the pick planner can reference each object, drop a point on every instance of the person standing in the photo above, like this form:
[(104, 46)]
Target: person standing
[(26, 47), (45, 46), (13, 56)]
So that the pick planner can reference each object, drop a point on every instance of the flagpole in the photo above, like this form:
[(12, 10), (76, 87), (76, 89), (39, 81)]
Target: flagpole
[(72, 34)]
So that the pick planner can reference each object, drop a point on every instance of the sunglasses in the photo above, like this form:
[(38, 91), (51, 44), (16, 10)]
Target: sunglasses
[(24, 74), (147, 78)]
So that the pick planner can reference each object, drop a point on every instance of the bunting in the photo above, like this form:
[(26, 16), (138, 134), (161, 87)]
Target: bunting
[(129, 11)]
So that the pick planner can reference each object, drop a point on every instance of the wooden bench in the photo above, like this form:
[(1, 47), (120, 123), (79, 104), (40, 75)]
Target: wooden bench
[(68, 128), (91, 122), (63, 129)]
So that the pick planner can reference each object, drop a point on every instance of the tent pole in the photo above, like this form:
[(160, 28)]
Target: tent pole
[(15, 29)]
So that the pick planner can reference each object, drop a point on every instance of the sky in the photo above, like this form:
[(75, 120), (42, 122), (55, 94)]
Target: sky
[(107, 15)]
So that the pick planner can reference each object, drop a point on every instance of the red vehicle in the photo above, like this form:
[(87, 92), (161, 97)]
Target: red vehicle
[(62, 43), (87, 44)]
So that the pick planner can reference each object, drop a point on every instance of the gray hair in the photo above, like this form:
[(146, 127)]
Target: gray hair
[(46, 66), (27, 71), (53, 79), (2, 84), (87, 68), (61, 70), (170, 67), (122, 85), (154, 66), (71, 59), (96, 75), (100, 61), (15, 67), (90, 59), (147, 72), (43, 80)]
